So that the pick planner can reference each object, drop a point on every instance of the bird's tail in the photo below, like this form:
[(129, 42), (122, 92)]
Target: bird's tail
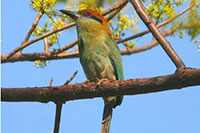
[(106, 120), (110, 103)]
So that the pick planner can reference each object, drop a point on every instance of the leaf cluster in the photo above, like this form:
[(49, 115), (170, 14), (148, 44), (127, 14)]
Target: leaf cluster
[(123, 23)]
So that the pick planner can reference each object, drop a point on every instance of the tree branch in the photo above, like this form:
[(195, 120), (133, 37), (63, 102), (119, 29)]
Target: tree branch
[(20, 48), (55, 55), (132, 50), (38, 38), (115, 7), (158, 26), (59, 108), (112, 8), (52, 55), (180, 79), (157, 34)]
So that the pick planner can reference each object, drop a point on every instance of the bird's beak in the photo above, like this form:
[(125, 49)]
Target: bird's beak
[(73, 15)]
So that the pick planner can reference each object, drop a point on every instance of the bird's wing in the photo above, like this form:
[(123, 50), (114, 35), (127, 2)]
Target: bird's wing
[(115, 58)]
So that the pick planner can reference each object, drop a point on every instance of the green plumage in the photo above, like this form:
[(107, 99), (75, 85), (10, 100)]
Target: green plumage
[(99, 55), (101, 59)]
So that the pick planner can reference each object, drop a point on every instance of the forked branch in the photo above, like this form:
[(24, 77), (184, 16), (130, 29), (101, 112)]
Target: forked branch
[(157, 34)]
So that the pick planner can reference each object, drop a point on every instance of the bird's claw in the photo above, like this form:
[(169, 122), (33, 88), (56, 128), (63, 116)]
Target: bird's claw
[(84, 83), (100, 82)]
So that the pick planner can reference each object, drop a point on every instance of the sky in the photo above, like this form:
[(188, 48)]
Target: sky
[(175, 111)]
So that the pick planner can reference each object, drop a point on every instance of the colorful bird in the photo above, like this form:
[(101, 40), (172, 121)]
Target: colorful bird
[(99, 55)]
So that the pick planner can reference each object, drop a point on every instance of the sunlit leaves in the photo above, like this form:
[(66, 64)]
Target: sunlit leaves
[(40, 63), (121, 25), (194, 19), (197, 42), (42, 4)]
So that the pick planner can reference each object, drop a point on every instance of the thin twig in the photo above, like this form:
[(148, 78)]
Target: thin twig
[(35, 23), (51, 82), (154, 43), (68, 46), (46, 45), (59, 107), (28, 35), (115, 12), (38, 38), (115, 6), (72, 77)]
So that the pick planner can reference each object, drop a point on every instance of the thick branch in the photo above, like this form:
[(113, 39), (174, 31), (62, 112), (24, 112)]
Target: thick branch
[(180, 79), (157, 34)]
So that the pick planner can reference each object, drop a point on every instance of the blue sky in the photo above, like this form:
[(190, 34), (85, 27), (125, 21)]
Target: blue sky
[(175, 111)]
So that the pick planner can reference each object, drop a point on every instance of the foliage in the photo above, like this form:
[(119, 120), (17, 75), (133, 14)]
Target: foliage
[(197, 42), (123, 23), (40, 63)]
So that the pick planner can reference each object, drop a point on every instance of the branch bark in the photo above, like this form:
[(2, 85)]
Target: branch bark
[(145, 47), (157, 34), (180, 79), (55, 55)]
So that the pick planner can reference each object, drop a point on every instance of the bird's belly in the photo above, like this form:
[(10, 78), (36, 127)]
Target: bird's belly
[(97, 66)]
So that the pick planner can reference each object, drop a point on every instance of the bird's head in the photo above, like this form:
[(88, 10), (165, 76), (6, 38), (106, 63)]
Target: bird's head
[(88, 18)]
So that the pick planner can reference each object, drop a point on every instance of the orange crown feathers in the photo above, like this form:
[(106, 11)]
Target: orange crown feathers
[(92, 13)]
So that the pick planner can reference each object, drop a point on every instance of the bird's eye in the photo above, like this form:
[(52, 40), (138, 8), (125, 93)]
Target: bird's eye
[(88, 14)]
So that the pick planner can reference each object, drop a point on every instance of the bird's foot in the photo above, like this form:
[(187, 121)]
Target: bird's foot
[(100, 82), (84, 83)]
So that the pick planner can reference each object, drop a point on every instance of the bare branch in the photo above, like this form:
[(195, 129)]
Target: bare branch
[(68, 46), (59, 107), (180, 79), (37, 39), (46, 46), (145, 47), (58, 55), (38, 56), (35, 23), (114, 7), (157, 34), (70, 79), (27, 36)]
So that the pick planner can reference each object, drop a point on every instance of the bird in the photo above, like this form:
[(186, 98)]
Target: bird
[(99, 55)]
